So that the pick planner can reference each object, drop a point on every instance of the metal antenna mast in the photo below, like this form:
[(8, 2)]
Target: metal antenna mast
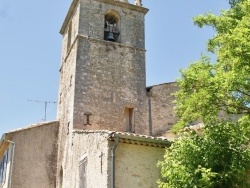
[(45, 106)]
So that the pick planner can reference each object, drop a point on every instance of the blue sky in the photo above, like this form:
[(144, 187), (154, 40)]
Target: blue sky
[(30, 49)]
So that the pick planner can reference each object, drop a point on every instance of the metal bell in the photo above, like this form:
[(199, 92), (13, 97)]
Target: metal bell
[(110, 37)]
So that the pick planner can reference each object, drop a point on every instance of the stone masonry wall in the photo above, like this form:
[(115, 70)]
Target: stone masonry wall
[(131, 21), (66, 104), (66, 86), (67, 69), (109, 77), (162, 108), (73, 24), (100, 78)]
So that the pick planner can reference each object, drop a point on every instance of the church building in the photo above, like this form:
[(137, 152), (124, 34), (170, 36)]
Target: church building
[(110, 130)]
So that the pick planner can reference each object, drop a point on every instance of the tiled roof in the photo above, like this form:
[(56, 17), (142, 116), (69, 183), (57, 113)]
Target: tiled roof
[(131, 138)]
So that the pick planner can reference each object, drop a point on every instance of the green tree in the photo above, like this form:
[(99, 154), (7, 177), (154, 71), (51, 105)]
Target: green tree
[(218, 94), (218, 158), (207, 88)]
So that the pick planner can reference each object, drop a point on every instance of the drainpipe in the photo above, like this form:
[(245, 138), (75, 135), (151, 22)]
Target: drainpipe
[(113, 162), (12, 161), (149, 94)]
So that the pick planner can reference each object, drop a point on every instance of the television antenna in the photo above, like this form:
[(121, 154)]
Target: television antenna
[(45, 106)]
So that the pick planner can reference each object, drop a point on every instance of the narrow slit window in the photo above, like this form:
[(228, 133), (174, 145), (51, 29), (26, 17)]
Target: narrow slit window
[(129, 119)]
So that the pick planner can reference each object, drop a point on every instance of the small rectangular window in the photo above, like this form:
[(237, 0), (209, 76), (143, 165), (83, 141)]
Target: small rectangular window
[(83, 173)]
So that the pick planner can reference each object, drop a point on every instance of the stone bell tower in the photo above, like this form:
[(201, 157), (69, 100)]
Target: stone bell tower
[(102, 74)]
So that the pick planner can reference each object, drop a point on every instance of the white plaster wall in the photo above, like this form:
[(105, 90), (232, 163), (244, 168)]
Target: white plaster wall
[(94, 146)]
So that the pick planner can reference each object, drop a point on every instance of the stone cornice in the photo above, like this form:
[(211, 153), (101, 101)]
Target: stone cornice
[(100, 41), (125, 5)]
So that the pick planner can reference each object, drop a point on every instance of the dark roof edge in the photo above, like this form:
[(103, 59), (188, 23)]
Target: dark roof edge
[(141, 140), (150, 87)]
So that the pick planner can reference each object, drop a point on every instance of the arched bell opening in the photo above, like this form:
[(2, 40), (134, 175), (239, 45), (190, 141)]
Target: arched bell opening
[(112, 26)]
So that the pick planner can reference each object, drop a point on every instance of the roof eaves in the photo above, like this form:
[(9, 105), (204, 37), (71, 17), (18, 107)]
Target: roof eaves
[(161, 84), (141, 139), (131, 138)]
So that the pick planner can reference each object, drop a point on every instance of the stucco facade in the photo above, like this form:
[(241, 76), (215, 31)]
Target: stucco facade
[(34, 161)]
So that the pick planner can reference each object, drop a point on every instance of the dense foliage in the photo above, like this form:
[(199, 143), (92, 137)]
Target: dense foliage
[(218, 158), (208, 88), (218, 94)]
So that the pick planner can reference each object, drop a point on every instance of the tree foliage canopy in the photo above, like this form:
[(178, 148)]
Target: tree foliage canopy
[(218, 158), (208, 88), (218, 94)]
